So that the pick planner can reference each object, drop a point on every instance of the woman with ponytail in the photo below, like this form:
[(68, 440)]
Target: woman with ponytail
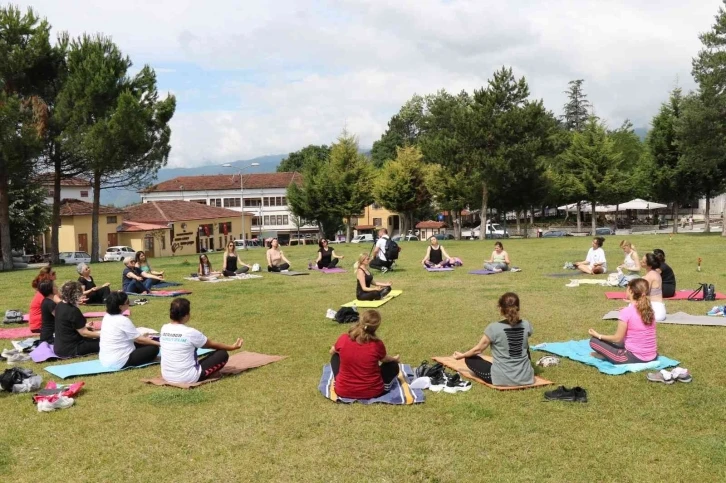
[(361, 366), (509, 340), (652, 265), (635, 338), (631, 265)]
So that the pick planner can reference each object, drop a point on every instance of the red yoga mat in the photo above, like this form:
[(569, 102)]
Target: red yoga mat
[(680, 295)]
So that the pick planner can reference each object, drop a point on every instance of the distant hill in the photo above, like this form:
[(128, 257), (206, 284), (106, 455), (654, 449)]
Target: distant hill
[(641, 132), (124, 197)]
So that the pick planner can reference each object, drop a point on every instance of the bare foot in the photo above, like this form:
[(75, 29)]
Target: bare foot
[(597, 355)]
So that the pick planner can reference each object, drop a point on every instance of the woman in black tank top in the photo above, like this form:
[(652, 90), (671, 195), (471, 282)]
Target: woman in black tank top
[(326, 256), (436, 256), (366, 288), (230, 262)]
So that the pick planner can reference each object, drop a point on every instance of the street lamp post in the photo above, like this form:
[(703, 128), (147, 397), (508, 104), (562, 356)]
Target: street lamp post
[(241, 196)]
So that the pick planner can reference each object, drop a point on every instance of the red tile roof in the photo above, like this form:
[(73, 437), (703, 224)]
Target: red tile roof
[(430, 224), (132, 226), (71, 207), (226, 182), (163, 212), (47, 179)]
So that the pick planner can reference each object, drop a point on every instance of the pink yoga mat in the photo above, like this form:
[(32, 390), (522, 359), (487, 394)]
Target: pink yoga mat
[(88, 315), (680, 295), (19, 333)]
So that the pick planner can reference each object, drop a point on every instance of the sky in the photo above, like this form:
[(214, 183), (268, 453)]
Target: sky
[(253, 78)]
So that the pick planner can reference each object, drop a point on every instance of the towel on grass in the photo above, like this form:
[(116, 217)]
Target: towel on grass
[(400, 393), (237, 363), (94, 366), (460, 367), (371, 304), (579, 350), (439, 269), (160, 293), (576, 282)]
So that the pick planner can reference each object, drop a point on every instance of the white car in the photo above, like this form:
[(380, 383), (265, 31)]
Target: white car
[(494, 230), (365, 238), (117, 254), (74, 258)]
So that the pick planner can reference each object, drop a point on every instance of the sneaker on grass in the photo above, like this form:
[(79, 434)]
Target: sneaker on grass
[(51, 404), (576, 394), (716, 310), (454, 384)]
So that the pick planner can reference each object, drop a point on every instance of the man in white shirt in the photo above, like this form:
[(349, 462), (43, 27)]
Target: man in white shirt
[(378, 259)]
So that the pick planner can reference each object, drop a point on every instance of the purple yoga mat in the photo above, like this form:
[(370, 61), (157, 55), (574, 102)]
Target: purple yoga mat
[(440, 269), (44, 352), (483, 272), (19, 333)]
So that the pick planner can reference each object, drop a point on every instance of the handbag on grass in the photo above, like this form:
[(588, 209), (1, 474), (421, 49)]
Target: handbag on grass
[(709, 292)]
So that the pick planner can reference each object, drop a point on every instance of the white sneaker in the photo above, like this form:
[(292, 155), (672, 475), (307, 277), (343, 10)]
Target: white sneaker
[(62, 402), (455, 384), (330, 314), (383, 270)]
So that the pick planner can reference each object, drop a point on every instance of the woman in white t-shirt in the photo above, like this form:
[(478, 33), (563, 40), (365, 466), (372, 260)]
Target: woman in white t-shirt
[(595, 262), (121, 344), (179, 345)]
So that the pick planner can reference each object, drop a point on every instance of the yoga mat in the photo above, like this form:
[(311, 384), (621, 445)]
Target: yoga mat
[(576, 282), (579, 350), (160, 293), (440, 269), (460, 367), (399, 394), (92, 367), (680, 295), (571, 273), (44, 352), (165, 285), (292, 273), (17, 333), (371, 304), (329, 270), (483, 272), (88, 315), (681, 318), (237, 363), (246, 276)]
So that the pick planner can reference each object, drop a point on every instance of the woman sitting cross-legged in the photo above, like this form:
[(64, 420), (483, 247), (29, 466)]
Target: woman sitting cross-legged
[(366, 288), (668, 277), (276, 261), (360, 364), (655, 294), (499, 261), (34, 315), (145, 269), (231, 259), (635, 338), (327, 258), (595, 262), (205, 267), (92, 293), (72, 335), (131, 279), (121, 345), (179, 344), (47, 310), (436, 256), (509, 340), (630, 267)]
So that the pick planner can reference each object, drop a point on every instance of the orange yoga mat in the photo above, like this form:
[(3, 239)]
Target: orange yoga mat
[(460, 367)]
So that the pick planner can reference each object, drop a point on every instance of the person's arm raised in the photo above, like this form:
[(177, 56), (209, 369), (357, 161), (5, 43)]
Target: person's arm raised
[(477, 349), (224, 347), (616, 338)]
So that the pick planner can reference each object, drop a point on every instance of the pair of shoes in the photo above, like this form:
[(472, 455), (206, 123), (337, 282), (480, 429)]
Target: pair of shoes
[(679, 374), (548, 361), (384, 269), (569, 266), (716, 310), (53, 403), (576, 394), (13, 356), (140, 301), (455, 384)]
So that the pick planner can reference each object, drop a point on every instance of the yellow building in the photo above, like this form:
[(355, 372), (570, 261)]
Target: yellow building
[(163, 228), (374, 217), (74, 232)]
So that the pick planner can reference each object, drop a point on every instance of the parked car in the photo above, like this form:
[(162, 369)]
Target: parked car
[(73, 258), (444, 236), (399, 238), (555, 234), (365, 238), (117, 253), (604, 231), (494, 230), (330, 242), (253, 243)]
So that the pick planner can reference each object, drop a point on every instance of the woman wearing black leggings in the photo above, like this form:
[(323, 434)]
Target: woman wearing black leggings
[(366, 288), (121, 345)]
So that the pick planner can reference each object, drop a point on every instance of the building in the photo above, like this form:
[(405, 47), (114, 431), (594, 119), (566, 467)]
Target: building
[(177, 227), (427, 229), (74, 232), (71, 188), (375, 217), (264, 195)]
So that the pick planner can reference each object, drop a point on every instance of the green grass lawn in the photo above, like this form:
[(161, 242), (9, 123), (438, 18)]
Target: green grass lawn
[(271, 424)]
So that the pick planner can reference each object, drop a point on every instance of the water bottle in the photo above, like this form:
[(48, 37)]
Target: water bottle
[(310, 265)]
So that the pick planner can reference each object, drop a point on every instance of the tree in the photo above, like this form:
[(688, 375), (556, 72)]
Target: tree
[(24, 55), (314, 199), (117, 124), (703, 127), (296, 161), (633, 152), (404, 129), (594, 167), (577, 108), (401, 185), (29, 213), (665, 175)]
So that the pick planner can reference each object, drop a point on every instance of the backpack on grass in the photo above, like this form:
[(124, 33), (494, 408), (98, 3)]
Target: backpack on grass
[(709, 292)]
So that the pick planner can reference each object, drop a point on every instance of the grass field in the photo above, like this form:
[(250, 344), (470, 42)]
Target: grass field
[(271, 424)]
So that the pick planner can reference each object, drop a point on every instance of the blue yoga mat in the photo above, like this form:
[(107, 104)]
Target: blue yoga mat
[(579, 350), (89, 368)]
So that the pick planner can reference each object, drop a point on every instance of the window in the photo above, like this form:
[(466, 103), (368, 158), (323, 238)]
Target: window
[(284, 201), (275, 201), (225, 228), (231, 202), (215, 202), (253, 202), (201, 202), (377, 222), (50, 192), (256, 221), (267, 201), (267, 220), (84, 194), (279, 219), (285, 220), (149, 243), (206, 230), (111, 220)]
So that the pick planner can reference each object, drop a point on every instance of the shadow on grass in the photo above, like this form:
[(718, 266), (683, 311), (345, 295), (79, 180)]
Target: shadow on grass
[(174, 397)]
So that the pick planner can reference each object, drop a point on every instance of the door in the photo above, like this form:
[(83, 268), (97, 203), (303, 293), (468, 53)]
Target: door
[(112, 239), (83, 242)]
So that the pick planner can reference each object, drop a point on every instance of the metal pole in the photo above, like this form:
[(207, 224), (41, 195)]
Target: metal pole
[(242, 205)]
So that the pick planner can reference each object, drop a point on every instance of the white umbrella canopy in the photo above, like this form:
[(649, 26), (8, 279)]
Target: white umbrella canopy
[(585, 208), (638, 204)]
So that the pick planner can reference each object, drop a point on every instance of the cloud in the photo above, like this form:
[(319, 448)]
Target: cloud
[(255, 78)]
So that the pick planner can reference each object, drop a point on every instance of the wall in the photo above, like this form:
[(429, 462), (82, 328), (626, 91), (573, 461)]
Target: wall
[(73, 193), (389, 220), (189, 240), (72, 226)]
